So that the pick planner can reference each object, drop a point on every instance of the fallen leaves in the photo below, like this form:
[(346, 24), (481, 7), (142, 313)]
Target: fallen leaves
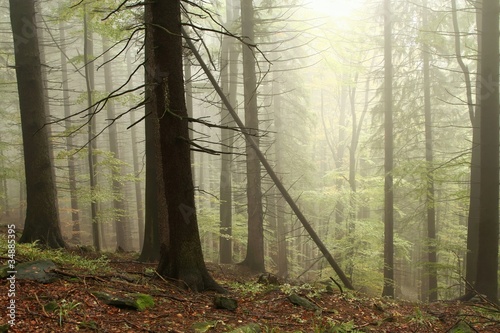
[(76, 309)]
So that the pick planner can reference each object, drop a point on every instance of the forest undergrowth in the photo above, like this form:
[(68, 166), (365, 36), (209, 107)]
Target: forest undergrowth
[(71, 302)]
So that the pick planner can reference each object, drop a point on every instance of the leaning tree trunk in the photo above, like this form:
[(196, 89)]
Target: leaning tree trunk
[(250, 140), (42, 217), (181, 256)]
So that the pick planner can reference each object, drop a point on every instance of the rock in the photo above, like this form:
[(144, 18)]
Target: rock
[(204, 326), (301, 301), (136, 301), (250, 328), (268, 279), (227, 303), (39, 270)]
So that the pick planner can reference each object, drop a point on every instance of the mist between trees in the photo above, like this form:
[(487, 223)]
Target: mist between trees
[(379, 119)]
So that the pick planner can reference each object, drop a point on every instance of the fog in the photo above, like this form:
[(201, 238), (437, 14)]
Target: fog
[(317, 108)]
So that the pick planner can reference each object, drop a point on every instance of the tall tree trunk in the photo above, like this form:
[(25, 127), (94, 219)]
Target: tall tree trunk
[(475, 169), (122, 220), (388, 164), (42, 217), (45, 82), (487, 264), (227, 141), (281, 228), (136, 164), (22, 200), (75, 213), (155, 205), (181, 256), (88, 51), (351, 211), (255, 245), (429, 158)]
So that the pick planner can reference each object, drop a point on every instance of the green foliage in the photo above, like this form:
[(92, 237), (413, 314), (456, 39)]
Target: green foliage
[(32, 252), (344, 327), (422, 318), (62, 309), (209, 226), (307, 289), (92, 325), (249, 288), (109, 170)]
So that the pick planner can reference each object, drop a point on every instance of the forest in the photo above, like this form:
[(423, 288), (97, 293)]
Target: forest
[(298, 143)]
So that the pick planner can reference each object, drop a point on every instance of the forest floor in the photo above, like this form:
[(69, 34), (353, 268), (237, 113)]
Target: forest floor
[(69, 304)]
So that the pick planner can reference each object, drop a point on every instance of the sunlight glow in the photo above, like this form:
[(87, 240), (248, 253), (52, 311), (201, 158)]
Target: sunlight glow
[(334, 8)]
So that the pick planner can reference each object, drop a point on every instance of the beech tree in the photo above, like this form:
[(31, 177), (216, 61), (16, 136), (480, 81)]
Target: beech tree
[(42, 216), (88, 50), (75, 214)]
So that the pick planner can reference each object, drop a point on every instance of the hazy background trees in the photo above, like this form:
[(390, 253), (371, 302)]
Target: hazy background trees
[(320, 109)]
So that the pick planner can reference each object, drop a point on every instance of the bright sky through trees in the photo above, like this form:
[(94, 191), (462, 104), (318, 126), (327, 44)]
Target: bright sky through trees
[(334, 8)]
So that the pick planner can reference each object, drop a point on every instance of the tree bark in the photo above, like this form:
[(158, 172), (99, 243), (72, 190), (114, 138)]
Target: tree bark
[(255, 240), (487, 264), (137, 169), (88, 50), (228, 70), (475, 170), (181, 256), (75, 213), (155, 205), (42, 217)]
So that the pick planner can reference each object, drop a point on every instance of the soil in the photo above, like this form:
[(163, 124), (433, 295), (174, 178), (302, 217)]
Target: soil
[(178, 310)]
